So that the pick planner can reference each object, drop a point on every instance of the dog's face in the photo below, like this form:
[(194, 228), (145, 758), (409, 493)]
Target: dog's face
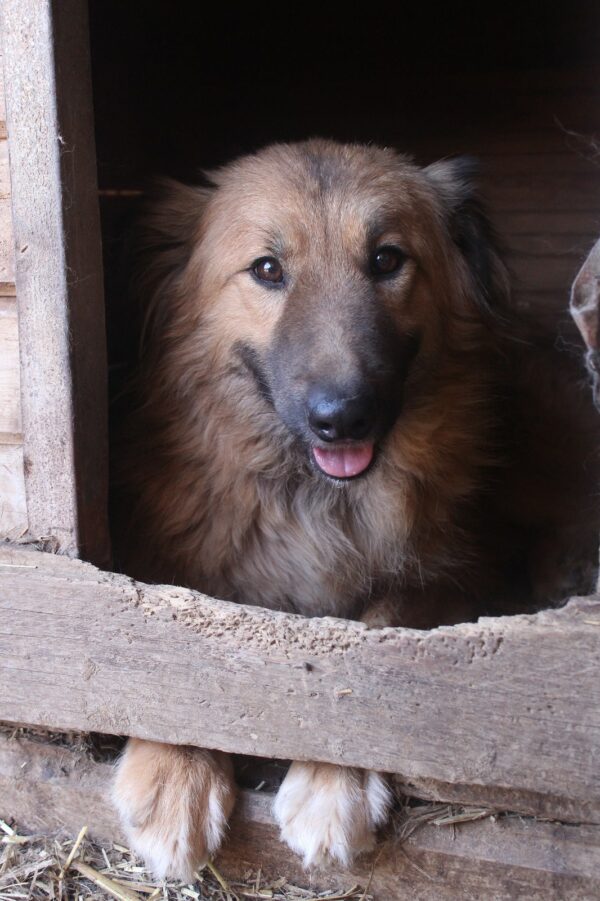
[(329, 273)]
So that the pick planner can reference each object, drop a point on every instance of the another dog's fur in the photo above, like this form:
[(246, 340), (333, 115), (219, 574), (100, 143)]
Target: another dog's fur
[(483, 460)]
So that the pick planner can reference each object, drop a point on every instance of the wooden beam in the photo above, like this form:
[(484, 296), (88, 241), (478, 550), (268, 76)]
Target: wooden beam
[(47, 787), (509, 706), (58, 272)]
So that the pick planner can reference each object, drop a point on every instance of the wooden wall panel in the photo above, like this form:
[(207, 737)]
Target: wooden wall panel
[(13, 507), (59, 273)]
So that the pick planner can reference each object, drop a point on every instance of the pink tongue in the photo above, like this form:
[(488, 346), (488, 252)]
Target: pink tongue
[(344, 462)]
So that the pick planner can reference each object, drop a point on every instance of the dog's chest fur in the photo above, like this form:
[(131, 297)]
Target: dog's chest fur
[(303, 548), (267, 534), (234, 510)]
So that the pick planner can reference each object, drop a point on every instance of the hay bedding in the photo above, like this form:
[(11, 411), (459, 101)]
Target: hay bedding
[(38, 868), (41, 867)]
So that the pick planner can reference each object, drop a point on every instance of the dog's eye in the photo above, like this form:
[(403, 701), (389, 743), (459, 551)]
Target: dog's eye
[(386, 260), (268, 269)]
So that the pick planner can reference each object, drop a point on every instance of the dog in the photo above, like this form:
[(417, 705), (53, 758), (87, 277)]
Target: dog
[(335, 415)]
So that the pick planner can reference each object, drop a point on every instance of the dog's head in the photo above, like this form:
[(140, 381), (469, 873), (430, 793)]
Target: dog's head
[(331, 277)]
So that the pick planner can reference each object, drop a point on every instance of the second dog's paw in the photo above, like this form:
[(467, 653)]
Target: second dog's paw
[(174, 803), (328, 812)]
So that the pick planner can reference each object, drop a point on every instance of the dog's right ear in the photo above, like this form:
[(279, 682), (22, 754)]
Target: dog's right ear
[(168, 228)]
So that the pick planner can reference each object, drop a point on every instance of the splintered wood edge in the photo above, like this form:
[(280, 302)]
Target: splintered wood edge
[(46, 787), (494, 712)]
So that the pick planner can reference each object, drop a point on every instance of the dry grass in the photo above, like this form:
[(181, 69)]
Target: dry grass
[(415, 814), (38, 868)]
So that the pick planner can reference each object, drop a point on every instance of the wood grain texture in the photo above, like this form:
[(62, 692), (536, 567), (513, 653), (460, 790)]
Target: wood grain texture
[(509, 705), (10, 400), (7, 270), (46, 787), (2, 99), (7, 251), (13, 509), (58, 272)]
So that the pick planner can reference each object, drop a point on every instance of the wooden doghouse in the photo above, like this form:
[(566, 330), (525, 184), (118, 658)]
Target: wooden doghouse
[(503, 714)]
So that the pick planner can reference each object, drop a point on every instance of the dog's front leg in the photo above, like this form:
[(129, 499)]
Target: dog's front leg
[(174, 802), (328, 812)]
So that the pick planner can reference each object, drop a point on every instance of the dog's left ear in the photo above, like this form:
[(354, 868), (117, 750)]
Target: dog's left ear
[(471, 230)]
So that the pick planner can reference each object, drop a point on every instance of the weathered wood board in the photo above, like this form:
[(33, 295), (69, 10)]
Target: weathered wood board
[(13, 512), (10, 400), (46, 788), (509, 707), (7, 252), (10, 407), (13, 507), (2, 100), (58, 265)]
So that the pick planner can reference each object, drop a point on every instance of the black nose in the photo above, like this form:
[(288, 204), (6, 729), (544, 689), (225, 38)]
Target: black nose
[(334, 416)]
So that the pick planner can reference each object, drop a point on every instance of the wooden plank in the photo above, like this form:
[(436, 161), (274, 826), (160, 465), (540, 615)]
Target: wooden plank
[(532, 301), (2, 100), (48, 787), (13, 508), (10, 400), (533, 191), (582, 225), (499, 704), (7, 269), (7, 253), (59, 272), (499, 138), (553, 162), (543, 274), (543, 246)]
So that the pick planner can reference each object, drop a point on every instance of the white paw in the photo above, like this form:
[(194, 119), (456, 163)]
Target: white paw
[(174, 803), (328, 812)]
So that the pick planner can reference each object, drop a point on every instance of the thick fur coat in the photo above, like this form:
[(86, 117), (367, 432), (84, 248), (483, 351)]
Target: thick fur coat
[(224, 495), (348, 270)]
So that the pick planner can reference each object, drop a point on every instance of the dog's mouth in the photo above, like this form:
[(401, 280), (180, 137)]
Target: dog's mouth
[(344, 461)]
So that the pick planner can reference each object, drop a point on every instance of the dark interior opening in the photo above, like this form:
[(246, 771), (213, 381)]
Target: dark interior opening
[(179, 88)]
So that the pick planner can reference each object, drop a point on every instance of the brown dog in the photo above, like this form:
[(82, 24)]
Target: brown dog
[(334, 420)]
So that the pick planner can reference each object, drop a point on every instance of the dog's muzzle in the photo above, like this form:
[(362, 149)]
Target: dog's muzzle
[(343, 422)]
